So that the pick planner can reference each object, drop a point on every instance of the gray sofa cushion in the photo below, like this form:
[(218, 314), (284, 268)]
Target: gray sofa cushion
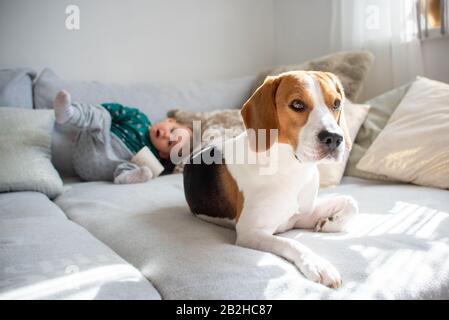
[(25, 141), (396, 248), (382, 107), (45, 256), (16, 87), (153, 99)]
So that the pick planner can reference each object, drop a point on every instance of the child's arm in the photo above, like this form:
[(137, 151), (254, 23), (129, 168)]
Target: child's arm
[(145, 158)]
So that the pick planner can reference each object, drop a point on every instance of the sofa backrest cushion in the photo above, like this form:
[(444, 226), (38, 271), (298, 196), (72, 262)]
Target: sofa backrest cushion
[(16, 87), (153, 99)]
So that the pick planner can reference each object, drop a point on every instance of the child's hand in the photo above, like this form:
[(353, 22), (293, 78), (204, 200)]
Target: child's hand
[(145, 158), (139, 175)]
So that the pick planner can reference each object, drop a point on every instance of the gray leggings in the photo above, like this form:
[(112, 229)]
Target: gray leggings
[(98, 153)]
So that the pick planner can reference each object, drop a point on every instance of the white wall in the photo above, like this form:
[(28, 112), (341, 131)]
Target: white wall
[(436, 58), (173, 40), (303, 32), (139, 40)]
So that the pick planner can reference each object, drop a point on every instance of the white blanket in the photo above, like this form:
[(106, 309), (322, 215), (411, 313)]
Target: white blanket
[(397, 247)]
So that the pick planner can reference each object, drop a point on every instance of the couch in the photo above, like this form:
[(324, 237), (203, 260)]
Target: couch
[(98, 240)]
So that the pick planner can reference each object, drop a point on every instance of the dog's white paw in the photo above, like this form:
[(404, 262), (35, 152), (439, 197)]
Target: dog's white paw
[(338, 221), (320, 270)]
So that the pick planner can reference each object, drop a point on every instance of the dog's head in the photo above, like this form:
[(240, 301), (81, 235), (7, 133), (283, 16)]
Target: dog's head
[(307, 109)]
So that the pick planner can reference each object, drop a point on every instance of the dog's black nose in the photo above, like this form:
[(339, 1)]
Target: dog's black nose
[(330, 140)]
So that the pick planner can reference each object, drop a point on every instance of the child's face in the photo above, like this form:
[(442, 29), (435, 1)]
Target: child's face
[(164, 137)]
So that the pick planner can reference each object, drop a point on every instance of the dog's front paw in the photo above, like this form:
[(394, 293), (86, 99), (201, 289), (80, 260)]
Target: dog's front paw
[(319, 270), (338, 221)]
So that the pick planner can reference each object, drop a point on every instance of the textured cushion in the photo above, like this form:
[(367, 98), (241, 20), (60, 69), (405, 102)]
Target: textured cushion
[(355, 115), (228, 118), (413, 146), (215, 125), (396, 248), (25, 138), (350, 67), (16, 87), (46, 256), (153, 99), (380, 111)]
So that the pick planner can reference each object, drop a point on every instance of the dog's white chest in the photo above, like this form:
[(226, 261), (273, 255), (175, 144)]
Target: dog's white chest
[(271, 200), (305, 196)]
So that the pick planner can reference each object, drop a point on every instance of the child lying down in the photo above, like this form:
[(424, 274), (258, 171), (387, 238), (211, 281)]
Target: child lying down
[(110, 135)]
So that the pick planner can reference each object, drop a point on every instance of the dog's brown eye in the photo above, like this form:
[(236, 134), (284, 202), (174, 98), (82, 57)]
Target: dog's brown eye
[(298, 105), (337, 104)]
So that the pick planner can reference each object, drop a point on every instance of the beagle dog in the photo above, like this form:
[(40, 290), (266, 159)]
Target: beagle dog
[(306, 110)]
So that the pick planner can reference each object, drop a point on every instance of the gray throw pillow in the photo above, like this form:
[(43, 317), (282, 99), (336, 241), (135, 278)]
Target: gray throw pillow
[(25, 140), (16, 87), (350, 67), (382, 107)]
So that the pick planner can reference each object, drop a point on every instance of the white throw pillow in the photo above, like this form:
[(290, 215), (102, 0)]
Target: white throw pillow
[(355, 114), (25, 140), (413, 147)]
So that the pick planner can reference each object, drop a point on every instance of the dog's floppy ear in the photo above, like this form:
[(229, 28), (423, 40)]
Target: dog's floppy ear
[(259, 112), (341, 120)]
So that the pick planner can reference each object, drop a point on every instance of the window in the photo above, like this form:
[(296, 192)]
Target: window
[(432, 18)]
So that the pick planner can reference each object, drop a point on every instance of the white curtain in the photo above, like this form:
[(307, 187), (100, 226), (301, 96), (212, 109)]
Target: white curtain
[(387, 28)]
